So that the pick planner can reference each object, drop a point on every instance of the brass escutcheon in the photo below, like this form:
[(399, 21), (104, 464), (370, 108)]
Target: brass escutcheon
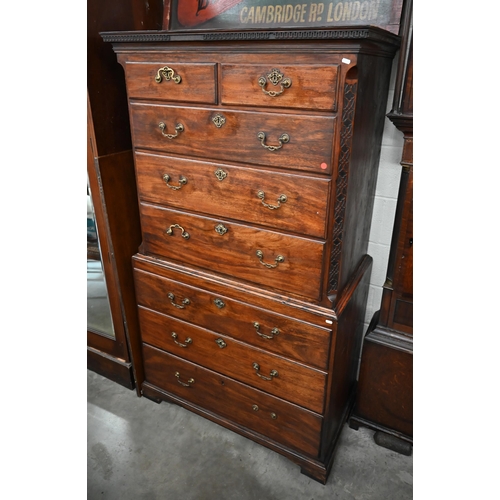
[(221, 229), (284, 138), (182, 181), (221, 343), (220, 174), (168, 74), (275, 77), (219, 303), (218, 120)]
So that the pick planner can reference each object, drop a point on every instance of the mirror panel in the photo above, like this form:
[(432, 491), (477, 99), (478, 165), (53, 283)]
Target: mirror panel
[(98, 309)]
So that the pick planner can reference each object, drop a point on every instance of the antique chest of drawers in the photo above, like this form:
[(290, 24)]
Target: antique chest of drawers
[(256, 157)]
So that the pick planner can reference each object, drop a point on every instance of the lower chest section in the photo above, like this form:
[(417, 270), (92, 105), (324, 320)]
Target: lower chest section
[(243, 360)]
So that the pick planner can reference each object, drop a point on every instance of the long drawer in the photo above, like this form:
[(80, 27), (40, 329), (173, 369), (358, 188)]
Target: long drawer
[(296, 203), (279, 420), (273, 374), (261, 328), (268, 258), (292, 141)]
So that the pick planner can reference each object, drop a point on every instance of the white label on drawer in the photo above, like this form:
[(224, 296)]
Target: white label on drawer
[(346, 61), (329, 321)]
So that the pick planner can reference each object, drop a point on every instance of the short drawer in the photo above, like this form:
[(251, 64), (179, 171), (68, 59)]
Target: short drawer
[(291, 141), (191, 82), (273, 374), (268, 258), (293, 203), (273, 417), (256, 326), (304, 86)]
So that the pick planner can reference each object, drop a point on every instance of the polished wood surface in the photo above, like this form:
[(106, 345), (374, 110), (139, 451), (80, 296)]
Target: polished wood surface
[(314, 86), (203, 139), (197, 81), (234, 253), (198, 273), (298, 340), (297, 383), (236, 195), (293, 426)]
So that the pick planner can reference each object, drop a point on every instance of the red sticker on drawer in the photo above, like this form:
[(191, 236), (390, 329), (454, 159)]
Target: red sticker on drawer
[(324, 166)]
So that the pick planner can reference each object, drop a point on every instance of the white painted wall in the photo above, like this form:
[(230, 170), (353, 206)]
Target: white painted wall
[(384, 208)]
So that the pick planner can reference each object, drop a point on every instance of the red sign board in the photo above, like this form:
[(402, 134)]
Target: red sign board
[(272, 14)]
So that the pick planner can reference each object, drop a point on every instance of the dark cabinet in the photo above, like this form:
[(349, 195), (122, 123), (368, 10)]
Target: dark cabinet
[(113, 225), (384, 400)]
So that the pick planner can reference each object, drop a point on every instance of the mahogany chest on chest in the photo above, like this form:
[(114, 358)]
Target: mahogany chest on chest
[(256, 157)]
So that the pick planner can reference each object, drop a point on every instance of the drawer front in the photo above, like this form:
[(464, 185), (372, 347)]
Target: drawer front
[(194, 133), (303, 86), (291, 202), (258, 327), (268, 258), (270, 373), (193, 82), (282, 422)]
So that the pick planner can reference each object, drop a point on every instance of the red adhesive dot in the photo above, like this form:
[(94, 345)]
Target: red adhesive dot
[(324, 166)]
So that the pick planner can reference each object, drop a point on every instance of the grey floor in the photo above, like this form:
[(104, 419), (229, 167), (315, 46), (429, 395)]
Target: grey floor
[(137, 449)]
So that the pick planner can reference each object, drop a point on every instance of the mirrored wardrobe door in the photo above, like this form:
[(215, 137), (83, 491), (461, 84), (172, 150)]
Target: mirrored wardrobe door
[(107, 346), (99, 319)]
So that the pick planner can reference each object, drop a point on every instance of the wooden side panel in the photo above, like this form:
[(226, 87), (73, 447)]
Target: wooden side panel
[(385, 391), (373, 77)]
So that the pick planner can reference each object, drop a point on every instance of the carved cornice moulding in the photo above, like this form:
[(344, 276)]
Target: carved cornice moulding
[(346, 33)]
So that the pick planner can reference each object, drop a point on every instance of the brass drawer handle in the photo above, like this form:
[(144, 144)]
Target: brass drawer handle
[(189, 383), (275, 77), (278, 260), (281, 199), (185, 302), (284, 138), (273, 415), (170, 231), (274, 332), (272, 374), (168, 74), (178, 128), (187, 341), (182, 181)]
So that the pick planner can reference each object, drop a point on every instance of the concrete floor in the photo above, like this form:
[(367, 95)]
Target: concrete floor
[(139, 450)]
